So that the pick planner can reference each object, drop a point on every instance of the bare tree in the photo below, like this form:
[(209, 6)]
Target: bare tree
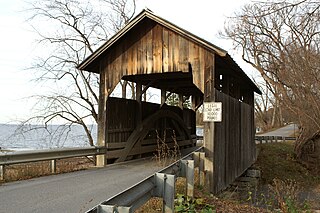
[(263, 105), (281, 39), (70, 31)]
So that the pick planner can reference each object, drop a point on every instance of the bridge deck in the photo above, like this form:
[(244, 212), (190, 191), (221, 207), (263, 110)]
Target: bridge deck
[(77, 191), (73, 192)]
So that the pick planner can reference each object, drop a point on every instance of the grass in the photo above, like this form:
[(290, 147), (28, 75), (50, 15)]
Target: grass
[(293, 187), (277, 161)]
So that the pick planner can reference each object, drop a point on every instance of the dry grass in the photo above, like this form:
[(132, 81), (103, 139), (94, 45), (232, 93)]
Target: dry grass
[(164, 155), (290, 182), (154, 205), (42, 168), (277, 161)]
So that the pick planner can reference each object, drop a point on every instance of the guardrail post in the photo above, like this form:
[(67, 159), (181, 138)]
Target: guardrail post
[(2, 172), (199, 158), (188, 172), (276, 139), (53, 166), (165, 188), (283, 139)]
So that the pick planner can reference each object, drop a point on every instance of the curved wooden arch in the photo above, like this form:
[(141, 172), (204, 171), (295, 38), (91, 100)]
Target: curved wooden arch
[(142, 130)]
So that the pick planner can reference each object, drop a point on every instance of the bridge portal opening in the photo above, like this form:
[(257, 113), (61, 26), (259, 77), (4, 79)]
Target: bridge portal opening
[(137, 128)]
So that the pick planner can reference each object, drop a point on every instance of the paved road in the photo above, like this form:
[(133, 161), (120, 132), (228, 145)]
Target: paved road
[(72, 192), (285, 131)]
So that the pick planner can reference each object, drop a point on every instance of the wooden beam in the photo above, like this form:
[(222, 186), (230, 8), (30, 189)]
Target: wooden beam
[(196, 102), (146, 87), (102, 110), (180, 104), (209, 96), (193, 103), (163, 96)]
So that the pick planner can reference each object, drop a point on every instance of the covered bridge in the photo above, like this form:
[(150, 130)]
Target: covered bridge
[(153, 52)]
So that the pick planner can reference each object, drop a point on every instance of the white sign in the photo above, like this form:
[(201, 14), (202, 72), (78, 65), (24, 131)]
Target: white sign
[(212, 111)]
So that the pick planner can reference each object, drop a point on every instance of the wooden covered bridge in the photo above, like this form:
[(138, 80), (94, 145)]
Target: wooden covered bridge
[(153, 52)]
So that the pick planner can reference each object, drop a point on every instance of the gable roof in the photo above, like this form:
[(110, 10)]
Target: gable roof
[(84, 65), (147, 13)]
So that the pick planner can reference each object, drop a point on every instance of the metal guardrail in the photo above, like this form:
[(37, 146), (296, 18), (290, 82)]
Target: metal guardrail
[(160, 184), (272, 139), (46, 155)]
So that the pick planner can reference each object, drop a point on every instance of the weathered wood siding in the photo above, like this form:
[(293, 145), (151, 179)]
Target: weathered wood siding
[(234, 141), (152, 48)]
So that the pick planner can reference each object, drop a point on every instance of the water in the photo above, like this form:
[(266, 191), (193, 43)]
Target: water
[(32, 137)]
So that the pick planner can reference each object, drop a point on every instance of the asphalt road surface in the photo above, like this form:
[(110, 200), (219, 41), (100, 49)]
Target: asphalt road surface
[(73, 192), (285, 131)]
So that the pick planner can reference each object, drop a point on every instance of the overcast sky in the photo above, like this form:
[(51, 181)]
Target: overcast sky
[(203, 18)]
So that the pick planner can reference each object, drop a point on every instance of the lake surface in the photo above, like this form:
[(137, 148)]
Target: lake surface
[(31, 137)]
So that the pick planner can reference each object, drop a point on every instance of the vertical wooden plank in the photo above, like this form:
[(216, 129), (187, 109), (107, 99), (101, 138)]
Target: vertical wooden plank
[(157, 48), (191, 54), (237, 140), (124, 60), (165, 50), (253, 132), (202, 61), (183, 54), (139, 52), (170, 51), (225, 133), (176, 54), (134, 56), (139, 107), (143, 52), (117, 65), (242, 123), (196, 70), (149, 51), (219, 144)]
